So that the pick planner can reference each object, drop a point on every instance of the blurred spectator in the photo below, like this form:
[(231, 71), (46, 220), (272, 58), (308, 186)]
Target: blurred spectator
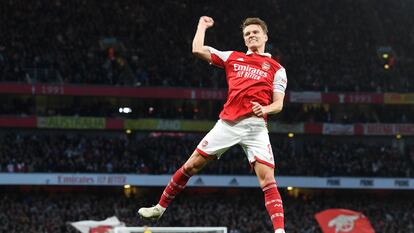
[(43, 212), (325, 45), (163, 154)]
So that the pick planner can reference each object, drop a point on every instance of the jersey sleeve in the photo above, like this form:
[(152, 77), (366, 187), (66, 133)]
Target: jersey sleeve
[(280, 81), (219, 58)]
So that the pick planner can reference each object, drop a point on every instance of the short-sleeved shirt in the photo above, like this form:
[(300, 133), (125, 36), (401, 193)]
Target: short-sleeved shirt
[(250, 77)]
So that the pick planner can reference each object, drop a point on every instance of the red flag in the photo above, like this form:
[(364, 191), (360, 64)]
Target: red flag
[(101, 229), (91, 226), (343, 221)]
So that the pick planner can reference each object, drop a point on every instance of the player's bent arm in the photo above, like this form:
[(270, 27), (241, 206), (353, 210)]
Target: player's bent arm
[(199, 49), (279, 88), (203, 53), (277, 104)]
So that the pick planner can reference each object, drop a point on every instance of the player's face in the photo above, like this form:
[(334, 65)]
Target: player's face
[(254, 37)]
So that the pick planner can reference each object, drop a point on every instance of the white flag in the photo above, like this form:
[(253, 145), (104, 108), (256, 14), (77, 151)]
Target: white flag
[(91, 226)]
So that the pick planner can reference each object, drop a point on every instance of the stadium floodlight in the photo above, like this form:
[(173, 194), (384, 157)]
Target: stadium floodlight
[(171, 229), (125, 110)]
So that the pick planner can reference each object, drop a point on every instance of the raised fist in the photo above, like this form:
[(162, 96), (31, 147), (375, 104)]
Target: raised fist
[(206, 22)]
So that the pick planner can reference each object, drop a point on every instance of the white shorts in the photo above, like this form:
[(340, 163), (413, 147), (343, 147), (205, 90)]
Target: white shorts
[(251, 133)]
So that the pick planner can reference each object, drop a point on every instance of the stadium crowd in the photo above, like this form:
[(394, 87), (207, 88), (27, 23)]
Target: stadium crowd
[(42, 212), (162, 154), (325, 45)]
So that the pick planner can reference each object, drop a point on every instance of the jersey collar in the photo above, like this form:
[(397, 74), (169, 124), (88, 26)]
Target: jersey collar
[(261, 54)]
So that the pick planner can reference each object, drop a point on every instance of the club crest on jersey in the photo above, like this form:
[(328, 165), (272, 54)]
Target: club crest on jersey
[(266, 66)]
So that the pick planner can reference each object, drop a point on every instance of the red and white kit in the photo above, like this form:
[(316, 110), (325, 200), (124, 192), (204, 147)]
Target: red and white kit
[(250, 77)]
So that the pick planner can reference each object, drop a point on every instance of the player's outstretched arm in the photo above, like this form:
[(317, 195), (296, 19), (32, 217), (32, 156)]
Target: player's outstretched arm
[(199, 49)]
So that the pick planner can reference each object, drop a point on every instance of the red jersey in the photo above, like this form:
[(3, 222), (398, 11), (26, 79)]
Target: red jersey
[(250, 77)]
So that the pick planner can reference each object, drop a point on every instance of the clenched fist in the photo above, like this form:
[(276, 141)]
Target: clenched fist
[(258, 109), (206, 22)]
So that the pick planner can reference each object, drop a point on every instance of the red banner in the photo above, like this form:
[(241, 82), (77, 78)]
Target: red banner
[(313, 128), (18, 122), (343, 220), (352, 98), (219, 94), (138, 92), (198, 93), (133, 92), (16, 88)]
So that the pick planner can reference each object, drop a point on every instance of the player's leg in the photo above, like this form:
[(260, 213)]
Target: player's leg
[(215, 143), (177, 183), (257, 146), (273, 201), (180, 178)]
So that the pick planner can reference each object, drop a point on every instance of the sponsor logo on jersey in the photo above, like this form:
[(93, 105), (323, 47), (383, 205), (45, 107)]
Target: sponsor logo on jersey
[(246, 71), (240, 59)]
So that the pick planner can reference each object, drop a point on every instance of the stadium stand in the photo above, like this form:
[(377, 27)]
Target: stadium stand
[(158, 154), (335, 52)]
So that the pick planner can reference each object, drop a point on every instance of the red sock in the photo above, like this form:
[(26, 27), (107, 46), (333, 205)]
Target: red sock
[(274, 205), (174, 187)]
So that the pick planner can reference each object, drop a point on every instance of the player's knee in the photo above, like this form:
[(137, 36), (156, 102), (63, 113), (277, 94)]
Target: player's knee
[(196, 162), (264, 174), (191, 168), (267, 182), (188, 168), (266, 178)]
